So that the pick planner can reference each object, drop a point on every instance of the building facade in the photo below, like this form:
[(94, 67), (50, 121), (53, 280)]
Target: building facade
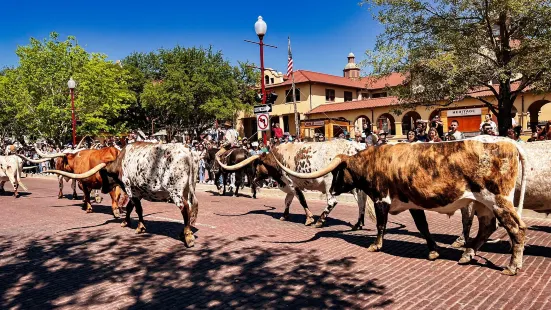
[(323, 97)]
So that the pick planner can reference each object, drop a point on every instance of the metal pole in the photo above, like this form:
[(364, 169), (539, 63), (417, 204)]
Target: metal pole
[(263, 87), (297, 123), (73, 117)]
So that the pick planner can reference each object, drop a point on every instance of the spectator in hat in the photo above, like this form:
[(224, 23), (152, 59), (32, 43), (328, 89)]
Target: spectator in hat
[(382, 138)]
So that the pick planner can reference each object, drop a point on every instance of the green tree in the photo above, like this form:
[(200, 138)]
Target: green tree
[(41, 99), (190, 88), (447, 49)]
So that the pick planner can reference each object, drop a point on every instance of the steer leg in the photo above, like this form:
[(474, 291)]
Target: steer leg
[(60, 181), (238, 181), (381, 211), (505, 213), (307, 212), (74, 187), (87, 203), (288, 200), (187, 234), (115, 195), (2, 190), (467, 215), (331, 203), (421, 223), (486, 226), (139, 210), (129, 208)]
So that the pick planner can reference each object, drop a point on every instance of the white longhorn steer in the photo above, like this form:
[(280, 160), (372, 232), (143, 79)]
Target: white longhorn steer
[(154, 172), (306, 157), (11, 168)]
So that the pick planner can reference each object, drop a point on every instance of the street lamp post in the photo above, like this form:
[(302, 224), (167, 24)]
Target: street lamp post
[(260, 28), (72, 84)]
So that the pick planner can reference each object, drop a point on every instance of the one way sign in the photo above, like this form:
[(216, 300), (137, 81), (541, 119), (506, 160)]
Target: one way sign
[(265, 108)]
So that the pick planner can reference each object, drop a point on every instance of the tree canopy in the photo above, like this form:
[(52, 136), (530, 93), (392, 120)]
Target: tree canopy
[(37, 99), (187, 89), (448, 49)]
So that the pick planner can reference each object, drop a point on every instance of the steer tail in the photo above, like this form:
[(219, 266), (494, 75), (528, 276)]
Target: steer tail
[(192, 182), (19, 173), (370, 209), (522, 156)]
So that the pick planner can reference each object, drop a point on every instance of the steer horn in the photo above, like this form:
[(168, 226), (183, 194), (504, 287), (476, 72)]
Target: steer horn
[(79, 144), (84, 175), (312, 175), (238, 165), (34, 161), (48, 155)]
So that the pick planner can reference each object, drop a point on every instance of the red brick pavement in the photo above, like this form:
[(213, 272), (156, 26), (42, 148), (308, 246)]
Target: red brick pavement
[(53, 254)]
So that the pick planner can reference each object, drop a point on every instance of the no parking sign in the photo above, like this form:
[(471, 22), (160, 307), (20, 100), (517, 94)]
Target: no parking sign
[(262, 121)]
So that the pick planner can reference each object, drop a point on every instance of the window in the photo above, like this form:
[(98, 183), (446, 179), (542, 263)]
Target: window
[(272, 80), (267, 79), (378, 95), (289, 95), (347, 96), (365, 96), (330, 95)]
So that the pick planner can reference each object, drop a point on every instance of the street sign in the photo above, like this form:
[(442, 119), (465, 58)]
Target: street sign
[(265, 108), (262, 121)]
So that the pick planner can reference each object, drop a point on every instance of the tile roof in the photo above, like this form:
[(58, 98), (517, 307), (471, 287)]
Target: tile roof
[(355, 105), (485, 92), (304, 76)]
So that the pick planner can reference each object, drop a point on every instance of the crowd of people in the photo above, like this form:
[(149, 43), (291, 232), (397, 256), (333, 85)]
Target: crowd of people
[(226, 136)]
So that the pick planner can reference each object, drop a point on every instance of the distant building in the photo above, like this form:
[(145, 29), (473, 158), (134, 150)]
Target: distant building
[(327, 102)]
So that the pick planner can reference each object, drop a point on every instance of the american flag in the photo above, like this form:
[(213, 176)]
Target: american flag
[(290, 60)]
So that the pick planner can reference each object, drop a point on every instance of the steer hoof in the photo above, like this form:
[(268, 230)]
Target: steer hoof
[(319, 224), (125, 223), (373, 248), (140, 229), (433, 255), (74, 197), (284, 218), (465, 259), (509, 272), (89, 210), (357, 227), (189, 239), (459, 243), (116, 213), (309, 221)]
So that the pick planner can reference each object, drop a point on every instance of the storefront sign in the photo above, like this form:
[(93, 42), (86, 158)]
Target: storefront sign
[(464, 112), (314, 123)]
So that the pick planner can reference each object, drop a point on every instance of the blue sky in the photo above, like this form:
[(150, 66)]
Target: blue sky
[(322, 32)]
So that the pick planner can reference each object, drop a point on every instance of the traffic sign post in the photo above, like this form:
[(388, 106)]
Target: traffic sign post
[(262, 121), (265, 108)]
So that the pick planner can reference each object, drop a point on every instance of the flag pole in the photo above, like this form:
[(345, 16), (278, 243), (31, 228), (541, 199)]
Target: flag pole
[(297, 121)]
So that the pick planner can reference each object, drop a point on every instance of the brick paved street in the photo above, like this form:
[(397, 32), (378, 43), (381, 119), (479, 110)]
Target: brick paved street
[(53, 254)]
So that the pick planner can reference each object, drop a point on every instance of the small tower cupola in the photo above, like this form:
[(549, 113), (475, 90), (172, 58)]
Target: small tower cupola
[(351, 70)]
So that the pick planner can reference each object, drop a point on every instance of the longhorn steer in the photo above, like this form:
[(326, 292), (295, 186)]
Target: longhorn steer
[(306, 157), (538, 190), (441, 177), (11, 168), (232, 157), (154, 172), (83, 161)]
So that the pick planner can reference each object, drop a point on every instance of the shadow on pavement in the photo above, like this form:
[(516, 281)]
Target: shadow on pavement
[(107, 270)]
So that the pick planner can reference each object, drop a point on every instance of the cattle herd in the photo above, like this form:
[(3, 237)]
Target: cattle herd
[(490, 177)]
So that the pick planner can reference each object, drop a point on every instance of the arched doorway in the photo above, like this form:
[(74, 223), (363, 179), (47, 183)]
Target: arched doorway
[(408, 121), (386, 123), (359, 123), (539, 114)]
